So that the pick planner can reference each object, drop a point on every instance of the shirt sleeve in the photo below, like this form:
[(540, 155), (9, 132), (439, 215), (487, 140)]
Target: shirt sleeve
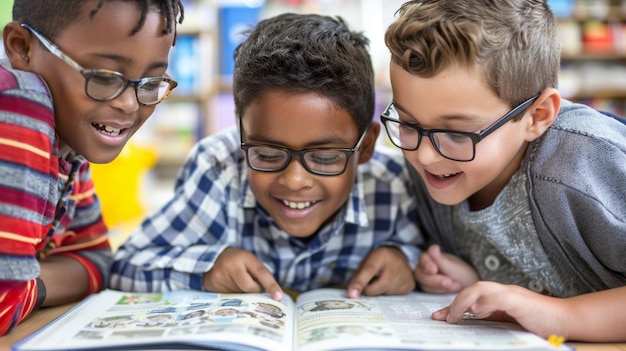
[(577, 194), (405, 233), (174, 247), (27, 172), (86, 236), (19, 300)]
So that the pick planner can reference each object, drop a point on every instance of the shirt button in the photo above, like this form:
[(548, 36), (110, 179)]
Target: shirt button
[(492, 263), (535, 286)]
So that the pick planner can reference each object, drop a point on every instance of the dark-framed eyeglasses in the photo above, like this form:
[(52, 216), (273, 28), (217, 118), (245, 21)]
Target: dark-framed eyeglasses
[(453, 145), (320, 161), (104, 84)]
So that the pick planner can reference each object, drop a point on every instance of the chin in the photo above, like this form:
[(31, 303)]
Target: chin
[(300, 233), (101, 158), (447, 201)]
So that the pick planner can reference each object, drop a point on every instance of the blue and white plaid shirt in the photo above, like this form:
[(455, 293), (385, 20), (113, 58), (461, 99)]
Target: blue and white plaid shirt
[(214, 208)]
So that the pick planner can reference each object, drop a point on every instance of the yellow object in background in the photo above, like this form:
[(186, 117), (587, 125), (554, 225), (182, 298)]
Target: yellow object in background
[(119, 183)]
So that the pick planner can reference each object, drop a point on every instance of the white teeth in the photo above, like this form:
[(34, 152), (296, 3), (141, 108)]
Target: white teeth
[(444, 176), (297, 205), (108, 129)]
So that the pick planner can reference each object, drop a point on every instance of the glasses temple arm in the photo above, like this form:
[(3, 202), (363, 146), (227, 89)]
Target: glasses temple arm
[(53, 48)]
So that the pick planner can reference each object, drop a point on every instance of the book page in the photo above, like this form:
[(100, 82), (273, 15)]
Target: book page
[(113, 319), (328, 320)]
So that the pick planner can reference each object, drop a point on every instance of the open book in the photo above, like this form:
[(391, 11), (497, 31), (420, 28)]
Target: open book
[(324, 319)]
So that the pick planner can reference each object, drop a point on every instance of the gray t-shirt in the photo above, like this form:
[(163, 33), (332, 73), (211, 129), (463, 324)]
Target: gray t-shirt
[(491, 245)]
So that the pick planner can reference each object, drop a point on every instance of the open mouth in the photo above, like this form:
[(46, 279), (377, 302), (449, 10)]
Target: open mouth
[(108, 130), (298, 205), (445, 176)]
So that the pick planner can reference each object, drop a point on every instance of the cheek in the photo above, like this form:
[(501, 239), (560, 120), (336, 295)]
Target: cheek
[(341, 186), (498, 155), (145, 112), (260, 182)]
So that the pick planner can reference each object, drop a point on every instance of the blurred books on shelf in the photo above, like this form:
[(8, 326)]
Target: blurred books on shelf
[(593, 46)]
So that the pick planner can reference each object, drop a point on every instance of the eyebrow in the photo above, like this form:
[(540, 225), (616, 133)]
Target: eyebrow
[(452, 117), (127, 60), (326, 140)]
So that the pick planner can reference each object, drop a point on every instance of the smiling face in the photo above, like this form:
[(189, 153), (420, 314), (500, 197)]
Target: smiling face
[(301, 202), (99, 130), (458, 99)]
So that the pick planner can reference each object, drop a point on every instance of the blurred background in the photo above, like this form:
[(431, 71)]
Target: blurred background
[(140, 180)]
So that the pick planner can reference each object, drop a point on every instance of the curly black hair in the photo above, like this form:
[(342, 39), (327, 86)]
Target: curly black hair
[(51, 16), (297, 53)]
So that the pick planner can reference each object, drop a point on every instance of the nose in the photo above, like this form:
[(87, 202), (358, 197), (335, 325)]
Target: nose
[(127, 100), (295, 176), (425, 153)]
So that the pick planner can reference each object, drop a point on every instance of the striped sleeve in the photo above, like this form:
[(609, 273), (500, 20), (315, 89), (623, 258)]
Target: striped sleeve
[(28, 171), (82, 233)]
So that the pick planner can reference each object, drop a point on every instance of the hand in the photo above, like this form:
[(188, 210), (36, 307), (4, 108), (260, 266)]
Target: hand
[(537, 313), (443, 273), (237, 270), (385, 271)]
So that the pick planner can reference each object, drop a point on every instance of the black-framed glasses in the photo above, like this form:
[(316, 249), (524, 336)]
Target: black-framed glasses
[(104, 84), (320, 161), (453, 145)]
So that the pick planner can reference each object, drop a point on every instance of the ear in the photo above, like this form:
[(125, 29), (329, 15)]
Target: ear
[(543, 113), (17, 45), (368, 145)]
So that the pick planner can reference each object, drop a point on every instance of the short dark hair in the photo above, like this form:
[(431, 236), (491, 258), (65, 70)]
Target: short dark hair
[(297, 53), (49, 17)]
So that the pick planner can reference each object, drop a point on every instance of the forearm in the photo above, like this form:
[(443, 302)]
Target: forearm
[(162, 268), (597, 317), (66, 280)]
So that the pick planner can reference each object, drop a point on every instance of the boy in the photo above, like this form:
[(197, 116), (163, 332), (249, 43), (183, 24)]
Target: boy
[(81, 77), (534, 200), (298, 198)]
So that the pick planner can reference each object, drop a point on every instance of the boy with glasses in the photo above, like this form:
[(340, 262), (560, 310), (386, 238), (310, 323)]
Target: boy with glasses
[(79, 80), (532, 203), (296, 196)]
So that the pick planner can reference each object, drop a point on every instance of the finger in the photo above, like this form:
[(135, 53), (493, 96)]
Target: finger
[(459, 306), (244, 282), (388, 283), (439, 260), (477, 299), (218, 280), (264, 277), (376, 286), (442, 314), (361, 279), (434, 251), (426, 264), (438, 284)]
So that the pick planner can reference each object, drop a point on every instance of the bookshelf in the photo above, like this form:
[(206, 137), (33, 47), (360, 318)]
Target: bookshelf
[(186, 115), (593, 59), (201, 62)]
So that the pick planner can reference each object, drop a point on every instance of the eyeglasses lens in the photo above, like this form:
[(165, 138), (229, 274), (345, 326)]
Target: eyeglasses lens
[(269, 159), (454, 146), (104, 86)]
